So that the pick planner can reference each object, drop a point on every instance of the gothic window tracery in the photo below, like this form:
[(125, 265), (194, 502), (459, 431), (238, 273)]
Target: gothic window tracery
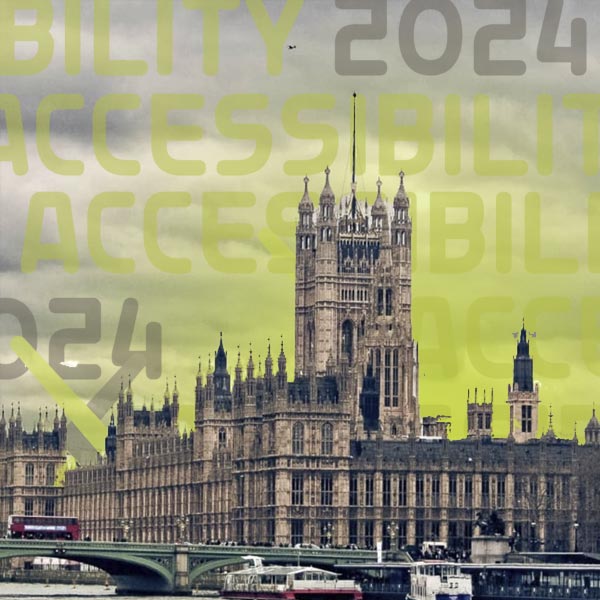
[(298, 438), (347, 339), (29, 473), (327, 439), (222, 438)]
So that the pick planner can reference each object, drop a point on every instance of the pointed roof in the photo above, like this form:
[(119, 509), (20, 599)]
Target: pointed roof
[(220, 356), (281, 360), (401, 199), (327, 194), (549, 435), (306, 204), (239, 359), (379, 205), (269, 360)]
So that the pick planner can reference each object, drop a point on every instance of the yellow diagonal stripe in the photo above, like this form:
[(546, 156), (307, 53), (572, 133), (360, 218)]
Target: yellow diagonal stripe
[(75, 408)]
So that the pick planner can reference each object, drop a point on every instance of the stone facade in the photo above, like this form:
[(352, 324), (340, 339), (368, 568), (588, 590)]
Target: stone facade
[(31, 465), (339, 454)]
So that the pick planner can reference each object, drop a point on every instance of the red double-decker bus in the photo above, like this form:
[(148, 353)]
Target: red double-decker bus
[(36, 527)]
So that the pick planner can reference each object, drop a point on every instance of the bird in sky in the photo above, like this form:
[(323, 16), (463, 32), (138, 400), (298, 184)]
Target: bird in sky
[(291, 46)]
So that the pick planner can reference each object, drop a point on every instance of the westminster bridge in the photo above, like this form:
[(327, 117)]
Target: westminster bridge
[(171, 568)]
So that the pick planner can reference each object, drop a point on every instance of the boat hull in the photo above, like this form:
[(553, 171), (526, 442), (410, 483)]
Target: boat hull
[(294, 595), (443, 596)]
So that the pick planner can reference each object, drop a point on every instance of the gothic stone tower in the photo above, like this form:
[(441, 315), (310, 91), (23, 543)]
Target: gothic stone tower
[(479, 416), (523, 397), (353, 304)]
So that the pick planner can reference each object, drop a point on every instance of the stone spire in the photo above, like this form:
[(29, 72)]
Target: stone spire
[(167, 395), (379, 211), (269, 362), (523, 364), (220, 357), (250, 366), (238, 366), (327, 196), (306, 204), (401, 199)]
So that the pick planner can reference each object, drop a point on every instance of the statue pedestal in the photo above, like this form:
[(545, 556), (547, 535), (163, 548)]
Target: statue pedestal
[(489, 549)]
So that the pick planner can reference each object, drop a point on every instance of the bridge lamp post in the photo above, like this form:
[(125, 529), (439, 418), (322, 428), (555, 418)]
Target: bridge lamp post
[(329, 533), (125, 526), (182, 523), (392, 530), (576, 528)]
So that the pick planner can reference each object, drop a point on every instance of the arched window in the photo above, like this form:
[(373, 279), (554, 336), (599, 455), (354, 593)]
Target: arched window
[(327, 439), (298, 439), (222, 438), (50, 474), (29, 472), (347, 335)]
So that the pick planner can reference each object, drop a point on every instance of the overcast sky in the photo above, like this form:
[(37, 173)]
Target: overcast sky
[(249, 308)]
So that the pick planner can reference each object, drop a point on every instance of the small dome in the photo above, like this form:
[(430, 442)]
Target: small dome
[(593, 424)]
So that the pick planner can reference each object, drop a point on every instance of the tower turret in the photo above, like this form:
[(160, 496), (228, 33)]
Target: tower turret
[(523, 396), (592, 430), (479, 415), (523, 365), (221, 380), (281, 369), (326, 216), (175, 404), (2, 430), (63, 431), (110, 443), (379, 214)]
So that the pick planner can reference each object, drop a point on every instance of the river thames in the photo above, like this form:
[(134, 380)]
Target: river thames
[(31, 591)]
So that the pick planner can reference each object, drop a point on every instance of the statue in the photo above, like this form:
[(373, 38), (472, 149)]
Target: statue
[(492, 525)]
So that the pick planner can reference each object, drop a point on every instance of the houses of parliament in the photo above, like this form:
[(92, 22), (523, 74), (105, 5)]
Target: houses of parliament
[(339, 454)]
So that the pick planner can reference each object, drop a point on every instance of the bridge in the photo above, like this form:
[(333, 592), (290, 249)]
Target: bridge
[(171, 568)]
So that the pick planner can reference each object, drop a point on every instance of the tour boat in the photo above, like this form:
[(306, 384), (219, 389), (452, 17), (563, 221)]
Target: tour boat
[(260, 582), (437, 580)]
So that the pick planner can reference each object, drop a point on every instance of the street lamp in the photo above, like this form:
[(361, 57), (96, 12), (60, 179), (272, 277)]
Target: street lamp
[(576, 527), (533, 537)]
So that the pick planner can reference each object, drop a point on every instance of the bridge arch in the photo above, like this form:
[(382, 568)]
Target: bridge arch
[(130, 572), (211, 565)]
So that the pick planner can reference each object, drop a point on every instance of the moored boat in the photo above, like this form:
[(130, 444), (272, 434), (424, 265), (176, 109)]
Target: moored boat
[(438, 580), (260, 582)]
